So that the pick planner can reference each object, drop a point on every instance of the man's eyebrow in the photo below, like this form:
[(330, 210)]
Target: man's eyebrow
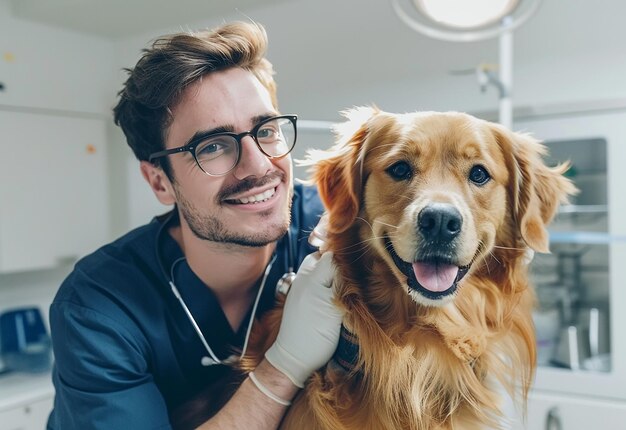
[(201, 134), (259, 118)]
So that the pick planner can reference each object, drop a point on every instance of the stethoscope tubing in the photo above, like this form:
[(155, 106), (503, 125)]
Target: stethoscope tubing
[(213, 359), (282, 287)]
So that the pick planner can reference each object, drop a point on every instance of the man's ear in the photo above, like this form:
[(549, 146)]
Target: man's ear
[(535, 189), (159, 182)]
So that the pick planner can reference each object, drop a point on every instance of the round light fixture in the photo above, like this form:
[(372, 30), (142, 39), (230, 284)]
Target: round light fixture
[(464, 20), (466, 14)]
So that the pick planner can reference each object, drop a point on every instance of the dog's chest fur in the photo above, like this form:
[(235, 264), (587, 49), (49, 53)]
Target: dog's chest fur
[(407, 354)]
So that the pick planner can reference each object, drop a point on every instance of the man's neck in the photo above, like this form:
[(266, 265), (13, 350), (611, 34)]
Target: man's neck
[(231, 271)]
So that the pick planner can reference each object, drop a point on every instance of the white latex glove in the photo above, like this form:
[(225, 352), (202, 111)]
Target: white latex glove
[(318, 237), (529, 254), (309, 329)]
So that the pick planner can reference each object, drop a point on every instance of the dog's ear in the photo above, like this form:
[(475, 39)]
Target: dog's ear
[(338, 172), (535, 189)]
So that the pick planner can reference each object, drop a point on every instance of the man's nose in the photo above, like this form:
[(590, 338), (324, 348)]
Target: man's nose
[(252, 162)]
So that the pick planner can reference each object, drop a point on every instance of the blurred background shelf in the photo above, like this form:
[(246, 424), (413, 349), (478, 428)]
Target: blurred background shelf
[(584, 209), (586, 238)]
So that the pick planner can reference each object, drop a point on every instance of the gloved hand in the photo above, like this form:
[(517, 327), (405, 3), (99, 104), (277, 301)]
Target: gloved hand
[(309, 330), (318, 236)]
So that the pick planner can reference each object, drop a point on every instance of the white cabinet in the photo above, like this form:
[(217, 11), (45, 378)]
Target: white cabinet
[(584, 272), (559, 412), (48, 67), (25, 400), (53, 189), (32, 415)]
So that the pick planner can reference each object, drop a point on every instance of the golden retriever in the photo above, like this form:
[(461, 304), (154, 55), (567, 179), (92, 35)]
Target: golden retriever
[(431, 216)]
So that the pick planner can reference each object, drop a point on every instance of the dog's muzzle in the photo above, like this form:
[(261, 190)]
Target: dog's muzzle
[(439, 224), (434, 273), (435, 278)]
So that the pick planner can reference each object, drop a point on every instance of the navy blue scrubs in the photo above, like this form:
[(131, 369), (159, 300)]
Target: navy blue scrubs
[(126, 353)]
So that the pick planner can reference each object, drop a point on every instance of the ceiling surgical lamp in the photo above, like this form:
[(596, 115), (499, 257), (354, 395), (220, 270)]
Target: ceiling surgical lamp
[(471, 21)]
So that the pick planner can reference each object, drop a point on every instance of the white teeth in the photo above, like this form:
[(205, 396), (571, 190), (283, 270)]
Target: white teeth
[(258, 197)]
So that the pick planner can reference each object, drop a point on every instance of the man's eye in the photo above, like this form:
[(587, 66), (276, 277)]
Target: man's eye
[(479, 175), (215, 147), (210, 148), (267, 133), (400, 171)]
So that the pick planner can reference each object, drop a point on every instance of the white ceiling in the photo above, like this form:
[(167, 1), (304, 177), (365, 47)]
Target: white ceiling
[(322, 47), (124, 18), (365, 31)]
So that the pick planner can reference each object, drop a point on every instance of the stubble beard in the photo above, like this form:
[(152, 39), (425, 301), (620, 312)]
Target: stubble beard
[(210, 227)]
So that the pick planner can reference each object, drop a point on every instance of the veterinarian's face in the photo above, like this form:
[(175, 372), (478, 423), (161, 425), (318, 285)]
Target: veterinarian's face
[(435, 196), (250, 205)]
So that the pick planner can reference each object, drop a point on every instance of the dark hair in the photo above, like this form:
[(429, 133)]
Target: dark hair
[(173, 63)]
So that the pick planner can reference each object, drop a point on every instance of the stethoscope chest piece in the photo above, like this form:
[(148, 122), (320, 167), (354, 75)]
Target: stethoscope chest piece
[(208, 361), (284, 283)]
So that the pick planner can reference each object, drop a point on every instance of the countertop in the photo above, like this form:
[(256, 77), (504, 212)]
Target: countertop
[(19, 388)]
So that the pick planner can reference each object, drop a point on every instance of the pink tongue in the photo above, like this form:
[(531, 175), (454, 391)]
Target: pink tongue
[(435, 277)]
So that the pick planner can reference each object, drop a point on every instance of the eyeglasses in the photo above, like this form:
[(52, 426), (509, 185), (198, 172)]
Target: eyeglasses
[(218, 153)]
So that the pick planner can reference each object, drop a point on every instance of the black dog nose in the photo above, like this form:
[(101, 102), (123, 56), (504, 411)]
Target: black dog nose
[(440, 222)]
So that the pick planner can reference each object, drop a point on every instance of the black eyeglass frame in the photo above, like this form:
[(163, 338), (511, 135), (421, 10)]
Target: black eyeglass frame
[(191, 146)]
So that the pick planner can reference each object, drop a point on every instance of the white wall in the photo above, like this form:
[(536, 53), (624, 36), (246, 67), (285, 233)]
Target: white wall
[(326, 63), (332, 55), (49, 70), (52, 68), (329, 56)]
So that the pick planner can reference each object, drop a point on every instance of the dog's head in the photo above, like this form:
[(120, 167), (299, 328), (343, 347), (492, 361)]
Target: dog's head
[(433, 194)]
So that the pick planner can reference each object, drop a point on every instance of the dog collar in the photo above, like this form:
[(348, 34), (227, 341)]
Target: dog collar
[(347, 352)]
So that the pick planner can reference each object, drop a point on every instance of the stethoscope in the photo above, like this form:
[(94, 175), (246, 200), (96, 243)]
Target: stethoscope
[(282, 288)]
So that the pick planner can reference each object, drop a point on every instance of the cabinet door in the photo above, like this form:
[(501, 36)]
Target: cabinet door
[(30, 416), (554, 412), (600, 239), (53, 193)]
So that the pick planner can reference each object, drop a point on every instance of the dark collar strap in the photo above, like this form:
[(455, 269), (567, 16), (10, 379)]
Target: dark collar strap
[(347, 353)]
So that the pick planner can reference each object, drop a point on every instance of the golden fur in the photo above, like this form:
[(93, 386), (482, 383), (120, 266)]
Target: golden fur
[(427, 363)]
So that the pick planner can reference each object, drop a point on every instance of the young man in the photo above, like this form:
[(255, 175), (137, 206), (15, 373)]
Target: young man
[(147, 322)]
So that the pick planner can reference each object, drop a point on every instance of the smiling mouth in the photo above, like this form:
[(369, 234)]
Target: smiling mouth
[(434, 278), (256, 198)]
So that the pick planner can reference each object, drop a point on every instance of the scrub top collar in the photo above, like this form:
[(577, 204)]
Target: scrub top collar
[(200, 300)]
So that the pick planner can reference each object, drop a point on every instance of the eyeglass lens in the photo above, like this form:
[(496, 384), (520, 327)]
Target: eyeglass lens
[(219, 154)]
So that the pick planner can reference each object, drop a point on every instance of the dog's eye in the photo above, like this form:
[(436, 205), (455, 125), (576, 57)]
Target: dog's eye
[(479, 175), (400, 171)]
